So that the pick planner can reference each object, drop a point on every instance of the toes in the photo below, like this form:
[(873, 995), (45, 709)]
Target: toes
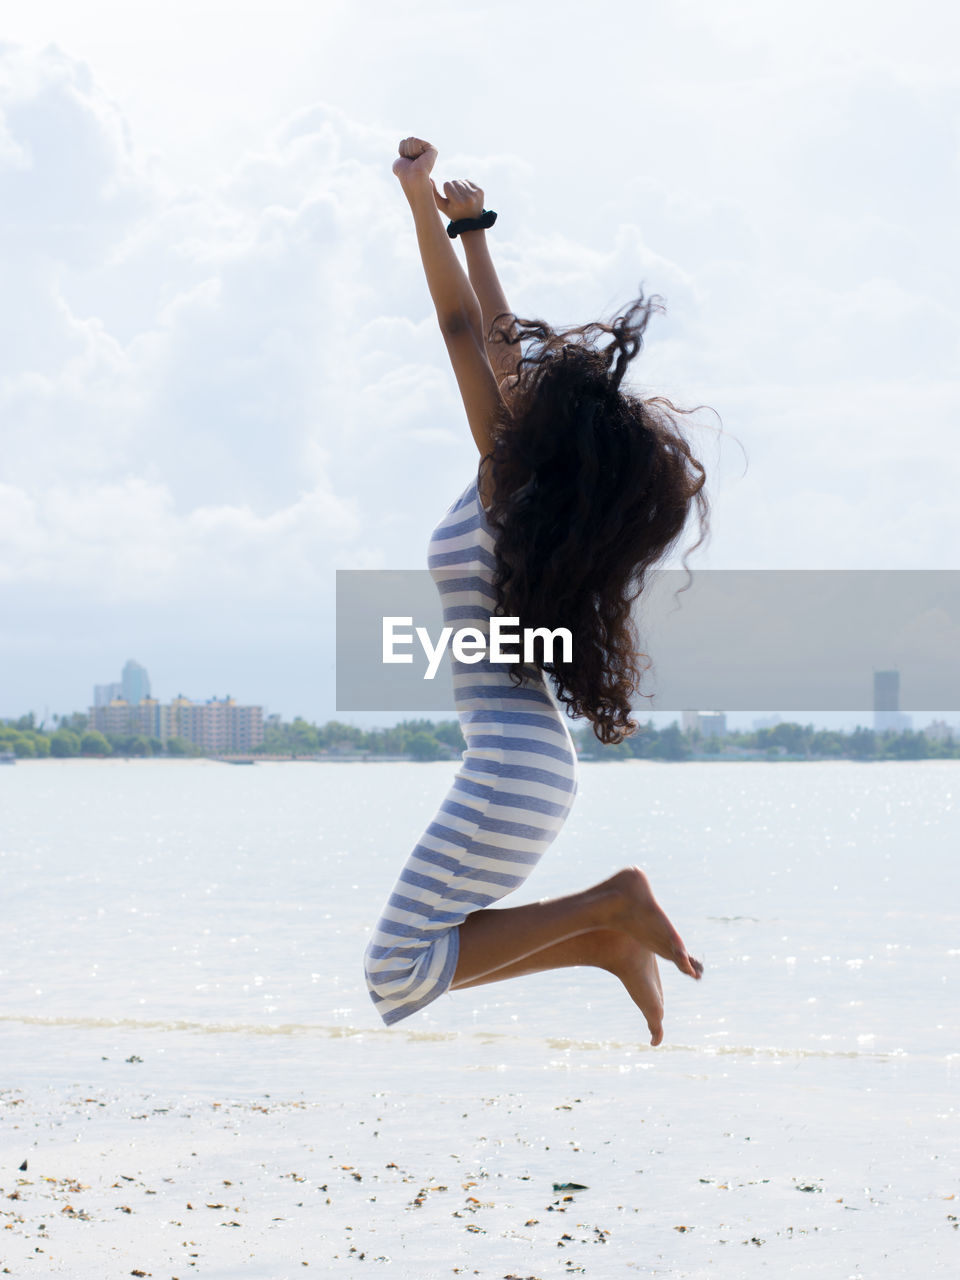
[(656, 1033), (684, 962)]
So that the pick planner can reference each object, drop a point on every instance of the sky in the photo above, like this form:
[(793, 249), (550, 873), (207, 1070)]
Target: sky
[(221, 379)]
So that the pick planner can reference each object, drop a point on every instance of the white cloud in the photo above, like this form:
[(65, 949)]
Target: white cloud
[(127, 542), (238, 383)]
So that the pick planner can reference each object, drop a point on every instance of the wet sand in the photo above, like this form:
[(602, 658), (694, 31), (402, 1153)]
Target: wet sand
[(169, 1153)]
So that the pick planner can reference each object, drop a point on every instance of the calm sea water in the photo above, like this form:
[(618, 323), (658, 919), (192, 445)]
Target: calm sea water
[(181, 933), (823, 897)]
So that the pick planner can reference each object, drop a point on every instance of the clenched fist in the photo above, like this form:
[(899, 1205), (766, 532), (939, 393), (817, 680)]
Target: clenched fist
[(460, 199), (415, 161)]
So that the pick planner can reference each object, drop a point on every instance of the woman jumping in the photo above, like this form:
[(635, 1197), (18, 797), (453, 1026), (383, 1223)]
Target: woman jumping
[(580, 490)]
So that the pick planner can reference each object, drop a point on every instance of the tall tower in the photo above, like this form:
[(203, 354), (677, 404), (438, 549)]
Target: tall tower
[(136, 683), (886, 702)]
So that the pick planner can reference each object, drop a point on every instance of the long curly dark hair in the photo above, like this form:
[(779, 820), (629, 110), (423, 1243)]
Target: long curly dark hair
[(592, 486)]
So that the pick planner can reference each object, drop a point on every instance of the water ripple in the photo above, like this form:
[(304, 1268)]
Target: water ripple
[(345, 1032)]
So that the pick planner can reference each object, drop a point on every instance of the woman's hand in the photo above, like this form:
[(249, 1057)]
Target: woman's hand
[(415, 161), (460, 199)]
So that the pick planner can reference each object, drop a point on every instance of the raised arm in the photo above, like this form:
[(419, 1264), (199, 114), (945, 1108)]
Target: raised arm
[(458, 310), (463, 199)]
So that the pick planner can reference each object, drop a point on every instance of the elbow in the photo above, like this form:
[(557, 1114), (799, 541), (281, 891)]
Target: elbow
[(455, 323)]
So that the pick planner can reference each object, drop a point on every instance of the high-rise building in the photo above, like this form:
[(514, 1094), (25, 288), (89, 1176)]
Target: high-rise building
[(886, 691), (713, 723), (136, 682), (689, 720), (886, 702), (940, 730), (103, 694), (218, 725), (114, 717), (706, 723), (133, 686), (152, 718)]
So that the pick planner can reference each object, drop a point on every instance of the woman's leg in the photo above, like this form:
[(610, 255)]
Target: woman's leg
[(494, 938), (608, 949)]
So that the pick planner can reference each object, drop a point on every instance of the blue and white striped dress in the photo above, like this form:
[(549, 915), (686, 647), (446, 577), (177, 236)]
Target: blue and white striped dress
[(509, 798)]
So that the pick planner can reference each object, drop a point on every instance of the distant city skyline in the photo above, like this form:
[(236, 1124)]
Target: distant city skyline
[(137, 677), (133, 685)]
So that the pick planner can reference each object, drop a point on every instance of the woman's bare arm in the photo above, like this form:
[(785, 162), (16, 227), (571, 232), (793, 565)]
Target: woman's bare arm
[(458, 311), (452, 293), (464, 199)]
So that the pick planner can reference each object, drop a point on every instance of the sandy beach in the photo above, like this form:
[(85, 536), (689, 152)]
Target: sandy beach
[(168, 1153)]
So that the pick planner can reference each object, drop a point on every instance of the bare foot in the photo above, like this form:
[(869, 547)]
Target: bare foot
[(637, 969), (636, 911)]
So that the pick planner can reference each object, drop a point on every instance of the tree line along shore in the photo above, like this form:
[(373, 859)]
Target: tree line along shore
[(425, 740)]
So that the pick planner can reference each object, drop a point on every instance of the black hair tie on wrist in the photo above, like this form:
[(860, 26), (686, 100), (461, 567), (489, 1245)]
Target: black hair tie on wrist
[(486, 219)]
